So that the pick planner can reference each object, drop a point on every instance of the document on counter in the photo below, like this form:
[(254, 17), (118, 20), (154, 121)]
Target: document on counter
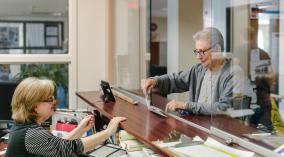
[(239, 113), (211, 148)]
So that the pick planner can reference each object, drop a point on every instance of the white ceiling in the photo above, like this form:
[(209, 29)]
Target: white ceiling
[(57, 8), (33, 7)]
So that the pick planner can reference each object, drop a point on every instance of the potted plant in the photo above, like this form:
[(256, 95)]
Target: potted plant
[(56, 72)]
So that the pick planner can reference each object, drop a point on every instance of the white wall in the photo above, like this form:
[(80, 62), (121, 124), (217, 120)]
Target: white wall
[(281, 47), (240, 27), (173, 36), (215, 15)]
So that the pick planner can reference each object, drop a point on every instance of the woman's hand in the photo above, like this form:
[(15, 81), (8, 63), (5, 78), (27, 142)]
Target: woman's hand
[(113, 124), (87, 123)]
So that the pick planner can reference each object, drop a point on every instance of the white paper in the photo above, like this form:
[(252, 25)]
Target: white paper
[(211, 148), (136, 154), (167, 144), (239, 113), (197, 151), (241, 153)]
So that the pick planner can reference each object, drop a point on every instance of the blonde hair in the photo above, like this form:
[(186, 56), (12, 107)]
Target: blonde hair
[(26, 97)]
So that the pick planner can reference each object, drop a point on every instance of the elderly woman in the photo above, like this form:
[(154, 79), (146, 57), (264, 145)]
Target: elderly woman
[(32, 104), (210, 83)]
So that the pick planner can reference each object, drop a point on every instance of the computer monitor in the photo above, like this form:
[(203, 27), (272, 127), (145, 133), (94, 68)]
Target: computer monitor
[(6, 93)]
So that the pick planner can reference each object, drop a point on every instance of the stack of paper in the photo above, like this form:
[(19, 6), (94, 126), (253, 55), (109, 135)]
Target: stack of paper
[(123, 136), (129, 142), (136, 154), (211, 148), (132, 145)]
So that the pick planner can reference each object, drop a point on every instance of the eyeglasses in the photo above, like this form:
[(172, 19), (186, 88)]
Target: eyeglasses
[(200, 51), (51, 99)]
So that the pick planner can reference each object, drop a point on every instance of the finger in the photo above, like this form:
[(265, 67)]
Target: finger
[(143, 84), (167, 108), (151, 87), (119, 119), (171, 108), (122, 119), (88, 117), (92, 118)]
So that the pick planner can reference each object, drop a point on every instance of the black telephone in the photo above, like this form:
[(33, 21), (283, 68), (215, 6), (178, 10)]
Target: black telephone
[(107, 93)]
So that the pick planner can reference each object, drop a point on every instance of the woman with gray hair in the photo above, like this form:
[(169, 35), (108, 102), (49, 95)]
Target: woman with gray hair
[(210, 82), (32, 104)]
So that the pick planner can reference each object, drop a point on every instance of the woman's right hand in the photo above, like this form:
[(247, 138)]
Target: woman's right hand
[(113, 124), (147, 85)]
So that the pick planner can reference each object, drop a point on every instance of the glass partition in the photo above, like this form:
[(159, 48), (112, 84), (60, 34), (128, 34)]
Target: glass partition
[(235, 45), (250, 101), (125, 48)]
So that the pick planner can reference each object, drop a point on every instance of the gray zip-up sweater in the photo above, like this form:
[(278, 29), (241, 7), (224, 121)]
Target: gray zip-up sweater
[(191, 80)]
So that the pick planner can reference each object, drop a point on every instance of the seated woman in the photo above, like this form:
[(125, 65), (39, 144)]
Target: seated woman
[(32, 104)]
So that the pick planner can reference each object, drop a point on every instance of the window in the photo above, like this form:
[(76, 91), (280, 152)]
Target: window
[(34, 42), (32, 37)]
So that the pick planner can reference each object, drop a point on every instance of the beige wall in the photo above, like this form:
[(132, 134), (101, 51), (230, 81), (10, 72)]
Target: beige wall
[(180, 41), (190, 21), (91, 44)]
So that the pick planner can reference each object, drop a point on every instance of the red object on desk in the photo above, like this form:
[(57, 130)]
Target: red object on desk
[(65, 127)]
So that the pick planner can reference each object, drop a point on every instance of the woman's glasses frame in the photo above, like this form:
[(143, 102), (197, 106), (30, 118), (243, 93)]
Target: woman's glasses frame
[(50, 99)]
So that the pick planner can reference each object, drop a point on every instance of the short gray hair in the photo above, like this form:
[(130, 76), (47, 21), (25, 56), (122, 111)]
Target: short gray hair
[(212, 35)]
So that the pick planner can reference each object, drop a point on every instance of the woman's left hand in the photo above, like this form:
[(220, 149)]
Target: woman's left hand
[(87, 123)]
